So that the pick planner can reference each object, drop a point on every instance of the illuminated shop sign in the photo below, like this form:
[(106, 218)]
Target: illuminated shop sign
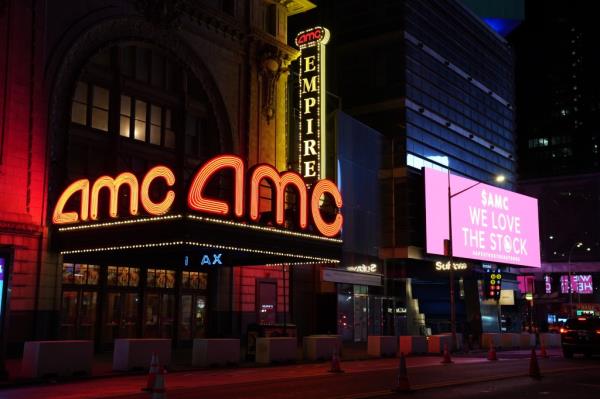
[(372, 268), (441, 266), (488, 223), (580, 284), (548, 284), (88, 195), (493, 284), (312, 103), (204, 260)]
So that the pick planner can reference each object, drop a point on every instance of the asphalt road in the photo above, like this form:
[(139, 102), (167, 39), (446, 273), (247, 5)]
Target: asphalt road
[(362, 379), (580, 384)]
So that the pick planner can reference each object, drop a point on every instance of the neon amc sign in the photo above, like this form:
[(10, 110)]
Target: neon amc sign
[(244, 182), (312, 129)]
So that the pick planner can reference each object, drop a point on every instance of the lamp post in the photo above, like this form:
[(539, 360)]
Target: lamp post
[(575, 245), (578, 244), (498, 179)]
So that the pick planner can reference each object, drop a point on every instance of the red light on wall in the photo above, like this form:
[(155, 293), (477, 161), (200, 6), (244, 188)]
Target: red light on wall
[(280, 182), (321, 188), (162, 207), (61, 217), (113, 186), (195, 199)]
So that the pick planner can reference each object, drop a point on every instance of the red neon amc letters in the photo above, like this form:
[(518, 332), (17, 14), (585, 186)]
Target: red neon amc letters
[(113, 185), (198, 202)]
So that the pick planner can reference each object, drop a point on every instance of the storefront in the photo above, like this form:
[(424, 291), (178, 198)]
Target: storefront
[(561, 291), (364, 305), (191, 272)]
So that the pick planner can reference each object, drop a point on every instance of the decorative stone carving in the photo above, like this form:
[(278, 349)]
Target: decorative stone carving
[(272, 65)]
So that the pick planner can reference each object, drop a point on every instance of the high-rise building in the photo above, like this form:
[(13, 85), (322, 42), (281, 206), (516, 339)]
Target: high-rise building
[(557, 92), (437, 82), (558, 114)]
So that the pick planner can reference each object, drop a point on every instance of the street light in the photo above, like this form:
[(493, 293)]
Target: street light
[(498, 179), (578, 244)]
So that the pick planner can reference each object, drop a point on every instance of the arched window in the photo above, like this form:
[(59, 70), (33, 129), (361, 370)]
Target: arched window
[(137, 103)]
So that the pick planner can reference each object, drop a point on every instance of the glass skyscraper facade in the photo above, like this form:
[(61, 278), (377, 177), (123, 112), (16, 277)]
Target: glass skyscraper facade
[(459, 93), (438, 83)]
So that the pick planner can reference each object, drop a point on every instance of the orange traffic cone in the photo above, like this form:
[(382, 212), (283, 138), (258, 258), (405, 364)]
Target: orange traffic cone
[(402, 384), (447, 359), (335, 362), (543, 352), (492, 353), (152, 373), (534, 368), (159, 390)]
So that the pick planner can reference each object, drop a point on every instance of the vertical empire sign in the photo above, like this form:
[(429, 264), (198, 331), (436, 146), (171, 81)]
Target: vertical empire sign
[(311, 144)]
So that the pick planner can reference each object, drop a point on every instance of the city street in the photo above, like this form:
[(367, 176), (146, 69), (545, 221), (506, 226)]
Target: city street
[(466, 377)]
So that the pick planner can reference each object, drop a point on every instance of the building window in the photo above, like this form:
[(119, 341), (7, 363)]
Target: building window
[(194, 280), (80, 109), (123, 276), (160, 118), (169, 132), (100, 108), (161, 278), (270, 20), (78, 274), (140, 120), (79, 105), (125, 121)]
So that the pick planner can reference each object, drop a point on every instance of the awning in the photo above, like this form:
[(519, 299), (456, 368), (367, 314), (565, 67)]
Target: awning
[(185, 239)]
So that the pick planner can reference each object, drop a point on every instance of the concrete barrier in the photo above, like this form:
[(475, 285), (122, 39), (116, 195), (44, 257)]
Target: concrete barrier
[(276, 349), (410, 344), (510, 340), (436, 343), (215, 352), (526, 341), (550, 340), (487, 338), (57, 358), (136, 353), (321, 347), (382, 345)]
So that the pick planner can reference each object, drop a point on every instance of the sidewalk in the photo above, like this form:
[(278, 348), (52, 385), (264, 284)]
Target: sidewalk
[(360, 379), (352, 354)]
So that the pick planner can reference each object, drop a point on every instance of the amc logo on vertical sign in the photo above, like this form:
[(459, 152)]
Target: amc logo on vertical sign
[(311, 92)]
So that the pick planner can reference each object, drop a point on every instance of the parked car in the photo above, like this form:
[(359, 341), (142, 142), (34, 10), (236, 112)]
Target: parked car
[(581, 335)]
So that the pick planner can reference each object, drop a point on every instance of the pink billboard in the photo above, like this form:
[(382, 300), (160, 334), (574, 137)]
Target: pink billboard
[(488, 223)]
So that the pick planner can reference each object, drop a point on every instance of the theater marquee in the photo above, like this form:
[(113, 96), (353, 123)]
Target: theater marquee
[(312, 103), (80, 201)]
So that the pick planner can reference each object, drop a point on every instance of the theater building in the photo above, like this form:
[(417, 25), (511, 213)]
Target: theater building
[(145, 174)]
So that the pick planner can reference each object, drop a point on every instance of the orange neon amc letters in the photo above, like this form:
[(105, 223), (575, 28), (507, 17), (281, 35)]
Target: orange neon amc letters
[(199, 202)]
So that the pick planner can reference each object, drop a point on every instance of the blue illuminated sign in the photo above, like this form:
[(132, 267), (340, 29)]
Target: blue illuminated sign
[(203, 260)]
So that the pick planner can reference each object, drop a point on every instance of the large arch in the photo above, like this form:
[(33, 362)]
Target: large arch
[(65, 67)]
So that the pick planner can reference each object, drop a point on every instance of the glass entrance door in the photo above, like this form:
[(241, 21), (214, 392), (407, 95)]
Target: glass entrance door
[(78, 314), (120, 316), (159, 315), (192, 318)]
